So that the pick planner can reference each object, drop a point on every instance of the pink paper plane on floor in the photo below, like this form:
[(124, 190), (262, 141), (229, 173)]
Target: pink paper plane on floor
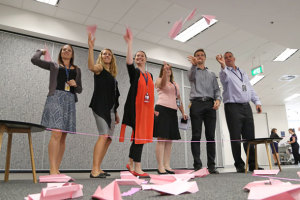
[(110, 192), (55, 178), (266, 172), (201, 172)]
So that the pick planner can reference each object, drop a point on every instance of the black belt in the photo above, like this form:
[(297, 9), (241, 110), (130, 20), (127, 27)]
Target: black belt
[(203, 99)]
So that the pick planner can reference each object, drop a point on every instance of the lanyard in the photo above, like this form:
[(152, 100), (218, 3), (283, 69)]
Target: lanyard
[(241, 79), (146, 78), (68, 71)]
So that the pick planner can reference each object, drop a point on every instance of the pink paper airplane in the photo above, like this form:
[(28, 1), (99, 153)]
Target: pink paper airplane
[(130, 192), (56, 178), (91, 29), (175, 188), (129, 181), (201, 172), (190, 16), (175, 29), (47, 56), (275, 192), (110, 192), (66, 191), (266, 172), (161, 179), (183, 171), (208, 18)]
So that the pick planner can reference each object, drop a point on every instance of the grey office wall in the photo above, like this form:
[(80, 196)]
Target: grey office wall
[(23, 92)]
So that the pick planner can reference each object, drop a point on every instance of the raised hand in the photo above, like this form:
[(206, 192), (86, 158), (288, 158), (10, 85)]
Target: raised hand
[(91, 41), (192, 60), (221, 60), (128, 36)]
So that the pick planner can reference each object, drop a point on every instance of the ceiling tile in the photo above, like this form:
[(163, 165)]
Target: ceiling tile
[(39, 7), (120, 29), (79, 6), (14, 3), (70, 16), (138, 18), (150, 37), (112, 11), (101, 24)]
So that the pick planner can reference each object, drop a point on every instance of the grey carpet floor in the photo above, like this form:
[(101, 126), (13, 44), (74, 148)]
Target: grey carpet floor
[(221, 186)]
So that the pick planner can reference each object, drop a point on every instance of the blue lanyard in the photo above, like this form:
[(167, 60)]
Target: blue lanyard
[(241, 79), (68, 71), (146, 79)]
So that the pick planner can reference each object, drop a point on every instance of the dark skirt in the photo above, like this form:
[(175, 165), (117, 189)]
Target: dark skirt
[(276, 147), (166, 123)]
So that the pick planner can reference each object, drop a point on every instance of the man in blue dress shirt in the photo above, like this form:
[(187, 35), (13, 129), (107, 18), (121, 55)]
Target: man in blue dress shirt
[(237, 93)]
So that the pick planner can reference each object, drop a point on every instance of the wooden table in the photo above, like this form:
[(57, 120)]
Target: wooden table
[(11, 127), (265, 141)]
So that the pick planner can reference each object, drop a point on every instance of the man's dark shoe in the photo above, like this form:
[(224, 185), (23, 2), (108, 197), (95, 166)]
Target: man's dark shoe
[(197, 167), (213, 171), (240, 170), (252, 168)]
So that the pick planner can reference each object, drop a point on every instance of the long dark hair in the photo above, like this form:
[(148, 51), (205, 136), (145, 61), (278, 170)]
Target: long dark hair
[(60, 60)]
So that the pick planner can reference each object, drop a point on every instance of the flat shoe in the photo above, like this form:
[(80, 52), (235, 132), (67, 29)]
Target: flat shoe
[(101, 175), (106, 174), (144, 175), (128, 167)]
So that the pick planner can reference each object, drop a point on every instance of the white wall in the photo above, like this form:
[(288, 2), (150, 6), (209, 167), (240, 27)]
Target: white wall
[(276, 118), (20, 21)]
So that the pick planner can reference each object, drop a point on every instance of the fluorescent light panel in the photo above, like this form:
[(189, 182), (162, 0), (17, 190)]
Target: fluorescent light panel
[(286, 54), (256, 79), (51, 2), (194, 29), (292, 97)]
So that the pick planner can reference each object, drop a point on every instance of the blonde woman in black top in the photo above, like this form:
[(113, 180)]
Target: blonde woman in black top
[(104, 103)]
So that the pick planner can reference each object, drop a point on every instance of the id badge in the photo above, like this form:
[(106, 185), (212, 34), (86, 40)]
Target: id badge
[(178, 102), (67, 87), (146, 98), (244, 88)]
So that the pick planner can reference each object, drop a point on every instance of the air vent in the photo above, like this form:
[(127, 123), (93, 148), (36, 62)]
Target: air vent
[(288, 77)]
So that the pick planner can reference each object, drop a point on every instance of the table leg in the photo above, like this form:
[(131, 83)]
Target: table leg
[(2, 129), (274, 150), (246, 168), (268, 153), (8, 153), (256, 165), (32, 157)]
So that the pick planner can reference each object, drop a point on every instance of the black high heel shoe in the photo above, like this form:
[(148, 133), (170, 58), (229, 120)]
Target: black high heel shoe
[(101, 175), (161, 172), (170, 172)]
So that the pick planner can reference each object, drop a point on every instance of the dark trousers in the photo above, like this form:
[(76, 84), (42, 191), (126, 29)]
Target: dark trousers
[(135, 152), (295, 151), (239, 119), (201, 111)]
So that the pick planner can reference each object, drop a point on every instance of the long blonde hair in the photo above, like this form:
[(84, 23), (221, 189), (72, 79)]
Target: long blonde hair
[(113, 69)]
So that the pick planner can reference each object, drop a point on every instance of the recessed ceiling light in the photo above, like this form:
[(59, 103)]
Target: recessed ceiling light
[(292, 97), (194, 29), (51, 2), (256, 79), (286, 54)]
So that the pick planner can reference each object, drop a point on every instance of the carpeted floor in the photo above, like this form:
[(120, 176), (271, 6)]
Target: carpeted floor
[(226, 185)]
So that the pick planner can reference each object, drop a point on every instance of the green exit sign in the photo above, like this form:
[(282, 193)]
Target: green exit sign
[(257, 70)]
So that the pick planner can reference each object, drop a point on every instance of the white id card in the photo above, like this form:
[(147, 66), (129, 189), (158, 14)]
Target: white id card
[(67, 87)]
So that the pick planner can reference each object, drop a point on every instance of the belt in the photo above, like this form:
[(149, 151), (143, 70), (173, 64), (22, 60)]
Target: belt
[(203, 99)]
